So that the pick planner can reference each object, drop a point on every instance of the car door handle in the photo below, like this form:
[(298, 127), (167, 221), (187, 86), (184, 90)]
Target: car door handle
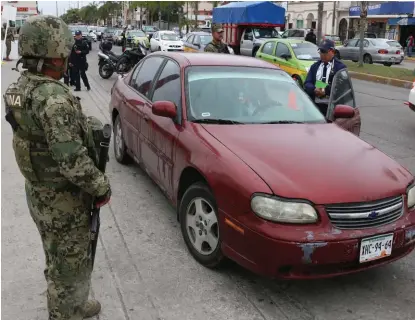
[(146, 118)]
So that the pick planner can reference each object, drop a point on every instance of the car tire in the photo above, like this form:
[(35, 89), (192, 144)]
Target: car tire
[(103, 74), (367, 59), (201, 233), (159, 49), (254, 51), (120, 150)]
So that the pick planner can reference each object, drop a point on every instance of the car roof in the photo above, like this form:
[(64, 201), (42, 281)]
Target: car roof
[(215, 59)]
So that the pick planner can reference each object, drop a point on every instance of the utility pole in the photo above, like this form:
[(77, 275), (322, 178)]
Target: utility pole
[(333, 24), (57, 11), (187, 17), (78, 4), (320, 21), (362, 26), (159, 14)]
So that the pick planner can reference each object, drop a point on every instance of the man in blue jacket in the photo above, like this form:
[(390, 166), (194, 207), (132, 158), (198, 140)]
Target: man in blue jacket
[(324, 71)]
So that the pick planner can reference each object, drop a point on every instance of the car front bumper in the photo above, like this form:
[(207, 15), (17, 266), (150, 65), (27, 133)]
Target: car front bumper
[(318, 252)]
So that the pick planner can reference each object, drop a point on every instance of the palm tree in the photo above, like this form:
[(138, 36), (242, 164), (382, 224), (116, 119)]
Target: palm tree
[(195, 7)]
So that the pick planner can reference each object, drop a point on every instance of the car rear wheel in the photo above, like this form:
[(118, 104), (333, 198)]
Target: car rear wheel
[(367, 59), (199, 221), (120, 149)]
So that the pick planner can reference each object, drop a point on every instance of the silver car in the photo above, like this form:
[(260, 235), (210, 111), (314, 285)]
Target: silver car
[(298, 34), (375, 50)]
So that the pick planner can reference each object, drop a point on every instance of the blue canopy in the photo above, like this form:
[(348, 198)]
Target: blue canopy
[(249, 12)]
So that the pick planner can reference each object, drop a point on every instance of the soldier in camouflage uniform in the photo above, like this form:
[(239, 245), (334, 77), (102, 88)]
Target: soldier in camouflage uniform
[(216, 45), (55, 152), (9, 39)]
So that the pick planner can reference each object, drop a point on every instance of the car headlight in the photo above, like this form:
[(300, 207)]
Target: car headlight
[(411, 196), (279, 210)]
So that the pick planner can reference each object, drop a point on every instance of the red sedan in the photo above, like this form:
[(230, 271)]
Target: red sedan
[(256, 173)]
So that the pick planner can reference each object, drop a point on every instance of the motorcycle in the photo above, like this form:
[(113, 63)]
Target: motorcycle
[(107, 61), (130, 57)]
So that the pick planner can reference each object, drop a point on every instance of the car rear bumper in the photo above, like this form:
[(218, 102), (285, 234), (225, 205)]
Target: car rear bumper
[(318, 256), (386, 58)]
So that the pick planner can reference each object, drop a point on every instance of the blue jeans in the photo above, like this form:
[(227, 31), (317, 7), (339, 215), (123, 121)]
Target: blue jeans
[(410, 51)]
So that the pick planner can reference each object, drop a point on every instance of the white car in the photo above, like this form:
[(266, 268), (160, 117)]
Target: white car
[(166, 41), (411, 99)]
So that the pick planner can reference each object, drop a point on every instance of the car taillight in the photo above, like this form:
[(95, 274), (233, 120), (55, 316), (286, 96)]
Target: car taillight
[(398, 52), (383, 51)]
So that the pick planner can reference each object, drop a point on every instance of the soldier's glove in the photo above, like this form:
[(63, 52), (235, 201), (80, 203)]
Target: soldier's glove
[(102, 200)]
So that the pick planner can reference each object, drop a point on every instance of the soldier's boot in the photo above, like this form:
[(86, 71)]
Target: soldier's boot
[(91, 308)]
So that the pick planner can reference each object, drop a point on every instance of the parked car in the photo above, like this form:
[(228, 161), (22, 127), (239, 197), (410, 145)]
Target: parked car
[(117, 37), (374, 51), (411, 99), (196, 41), (149, 31), (136, 36), (336, 39), (256, 173), (298, 34), (166, 41), (292, 55), (108, 34)]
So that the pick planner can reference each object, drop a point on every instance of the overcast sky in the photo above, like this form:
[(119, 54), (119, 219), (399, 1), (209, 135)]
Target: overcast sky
[(49, 7)]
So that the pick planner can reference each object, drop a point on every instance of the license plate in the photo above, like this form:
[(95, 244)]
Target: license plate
[(376, 247)]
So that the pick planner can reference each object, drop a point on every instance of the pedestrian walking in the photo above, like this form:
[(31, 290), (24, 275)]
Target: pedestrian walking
[(55, 151), (311, 37), (9, 40), (216, 45), (78, 62), (410, 44), (124, 39), (321, 74)]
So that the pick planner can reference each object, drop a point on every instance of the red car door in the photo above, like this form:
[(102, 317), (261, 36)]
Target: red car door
[(165, 131), (131, 113), (143, 84), (342, 93)]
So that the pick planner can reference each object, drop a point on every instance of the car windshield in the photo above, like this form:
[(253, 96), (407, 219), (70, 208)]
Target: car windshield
[(266, 33), (137, 33), (231, 95), (305, 51), (150, 28), (83, 29), (170, 36), (205, 39), (334, 38), (379, 42)]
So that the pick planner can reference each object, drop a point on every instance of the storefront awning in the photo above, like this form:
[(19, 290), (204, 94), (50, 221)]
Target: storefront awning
[(401, 22)]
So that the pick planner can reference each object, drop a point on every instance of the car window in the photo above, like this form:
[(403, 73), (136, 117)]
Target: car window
[(394, 43), (352, 43), (205, 39), (266, 33), (281, 49), (169, 37), (305, 51), (168, 84), (268, 48), (248, 33), (196, 40), (247, 95), (190, 39), (143, 79)]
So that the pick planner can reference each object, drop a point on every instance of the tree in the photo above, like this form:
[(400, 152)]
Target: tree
[(108, 9), (362, 27), (320, 21), (89, 13), (71, 16), (195, 7)]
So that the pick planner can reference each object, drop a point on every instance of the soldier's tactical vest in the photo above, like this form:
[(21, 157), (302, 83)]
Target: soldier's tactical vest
[(29, 143)]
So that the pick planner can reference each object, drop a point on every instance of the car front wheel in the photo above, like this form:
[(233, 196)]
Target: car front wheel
[(199, 221), (120, 149)]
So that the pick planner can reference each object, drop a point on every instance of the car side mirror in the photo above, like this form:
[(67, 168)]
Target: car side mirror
[(342, 111), (166, 109), (285, 56)]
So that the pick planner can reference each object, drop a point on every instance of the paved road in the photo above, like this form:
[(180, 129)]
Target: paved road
[(143, 270)]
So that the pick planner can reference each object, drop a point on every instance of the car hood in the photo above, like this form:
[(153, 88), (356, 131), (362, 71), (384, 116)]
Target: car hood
[(173, 43), (318, 162)]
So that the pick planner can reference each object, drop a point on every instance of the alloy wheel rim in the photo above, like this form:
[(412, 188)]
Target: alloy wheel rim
[(118, 141), (202, 226)]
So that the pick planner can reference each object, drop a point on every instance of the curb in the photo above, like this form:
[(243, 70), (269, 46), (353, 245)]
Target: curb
[(383, 80)]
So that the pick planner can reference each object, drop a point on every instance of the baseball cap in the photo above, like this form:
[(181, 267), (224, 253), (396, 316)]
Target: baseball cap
[(217, 27), (326, 45), (78, 33)]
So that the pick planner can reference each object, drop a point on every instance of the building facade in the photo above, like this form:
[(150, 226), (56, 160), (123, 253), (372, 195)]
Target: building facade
[(25, 9)]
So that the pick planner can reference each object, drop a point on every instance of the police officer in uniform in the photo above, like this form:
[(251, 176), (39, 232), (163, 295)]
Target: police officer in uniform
[(78, 63), (55, 151), (216, 45), (323, 70)]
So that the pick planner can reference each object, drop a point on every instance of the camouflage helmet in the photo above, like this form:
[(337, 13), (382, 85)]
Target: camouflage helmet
[(45, 37)]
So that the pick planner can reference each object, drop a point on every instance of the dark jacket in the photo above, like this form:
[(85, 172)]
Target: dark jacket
[(311, 37), (79, 60), (309, 84)]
